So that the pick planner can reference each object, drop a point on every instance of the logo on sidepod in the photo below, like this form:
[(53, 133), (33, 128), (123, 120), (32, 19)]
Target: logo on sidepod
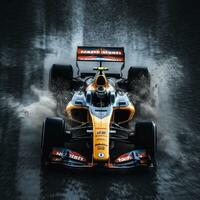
[(101, 155)]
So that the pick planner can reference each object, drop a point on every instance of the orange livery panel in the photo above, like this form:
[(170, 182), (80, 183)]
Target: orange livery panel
[(101, 128)]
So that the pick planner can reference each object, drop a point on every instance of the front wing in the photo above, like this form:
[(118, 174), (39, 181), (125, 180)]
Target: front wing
[(72, 159)]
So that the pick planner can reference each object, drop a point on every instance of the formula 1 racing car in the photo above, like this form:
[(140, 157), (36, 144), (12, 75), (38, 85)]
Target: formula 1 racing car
[(96, 132)]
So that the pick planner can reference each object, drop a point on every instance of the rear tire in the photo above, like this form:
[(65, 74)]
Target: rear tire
[(60, 77), (146, 138), (52, 136), (139, 81)]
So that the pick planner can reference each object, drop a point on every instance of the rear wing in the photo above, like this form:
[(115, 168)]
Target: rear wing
[(101, 54)]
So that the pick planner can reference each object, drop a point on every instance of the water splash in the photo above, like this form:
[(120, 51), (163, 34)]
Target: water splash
[(34, 112), (166, 76)]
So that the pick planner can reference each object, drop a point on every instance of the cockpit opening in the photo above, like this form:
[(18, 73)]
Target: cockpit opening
[(100, 97)]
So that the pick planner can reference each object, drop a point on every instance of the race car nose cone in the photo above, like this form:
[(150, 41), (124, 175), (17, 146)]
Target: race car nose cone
[(99, 157), (101, 138), (101, 153)]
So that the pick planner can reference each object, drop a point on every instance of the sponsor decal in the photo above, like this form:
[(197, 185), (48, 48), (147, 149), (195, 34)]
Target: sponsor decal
[(102, 52), (76, 156), (100, 147), (101, 144), (56, 155), (124, 158), (90, 52), (97, 54), (106, 52), (101, 139), (140, 154), (101, 128), (56, 152), (101, 155), (101, 132)]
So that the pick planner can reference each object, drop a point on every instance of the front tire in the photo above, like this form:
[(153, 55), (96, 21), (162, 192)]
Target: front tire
[(52, 136), (139, 81), (146, 138), (60, 77)]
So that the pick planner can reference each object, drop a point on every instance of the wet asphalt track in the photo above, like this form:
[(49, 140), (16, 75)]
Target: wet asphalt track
[(163, 35)]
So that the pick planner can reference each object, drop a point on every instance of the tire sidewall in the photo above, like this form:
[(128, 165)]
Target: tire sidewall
[(52, 136), (146, 137)]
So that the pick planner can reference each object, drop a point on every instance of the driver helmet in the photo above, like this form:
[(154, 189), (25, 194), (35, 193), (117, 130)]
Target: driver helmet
[(101, 92)]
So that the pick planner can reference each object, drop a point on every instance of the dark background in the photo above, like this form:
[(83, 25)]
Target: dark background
[(163, 35)]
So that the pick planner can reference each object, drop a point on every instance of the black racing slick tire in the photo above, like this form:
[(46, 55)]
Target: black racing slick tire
[(52, 136), (146, 138), (139, 81), (60, 77)]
